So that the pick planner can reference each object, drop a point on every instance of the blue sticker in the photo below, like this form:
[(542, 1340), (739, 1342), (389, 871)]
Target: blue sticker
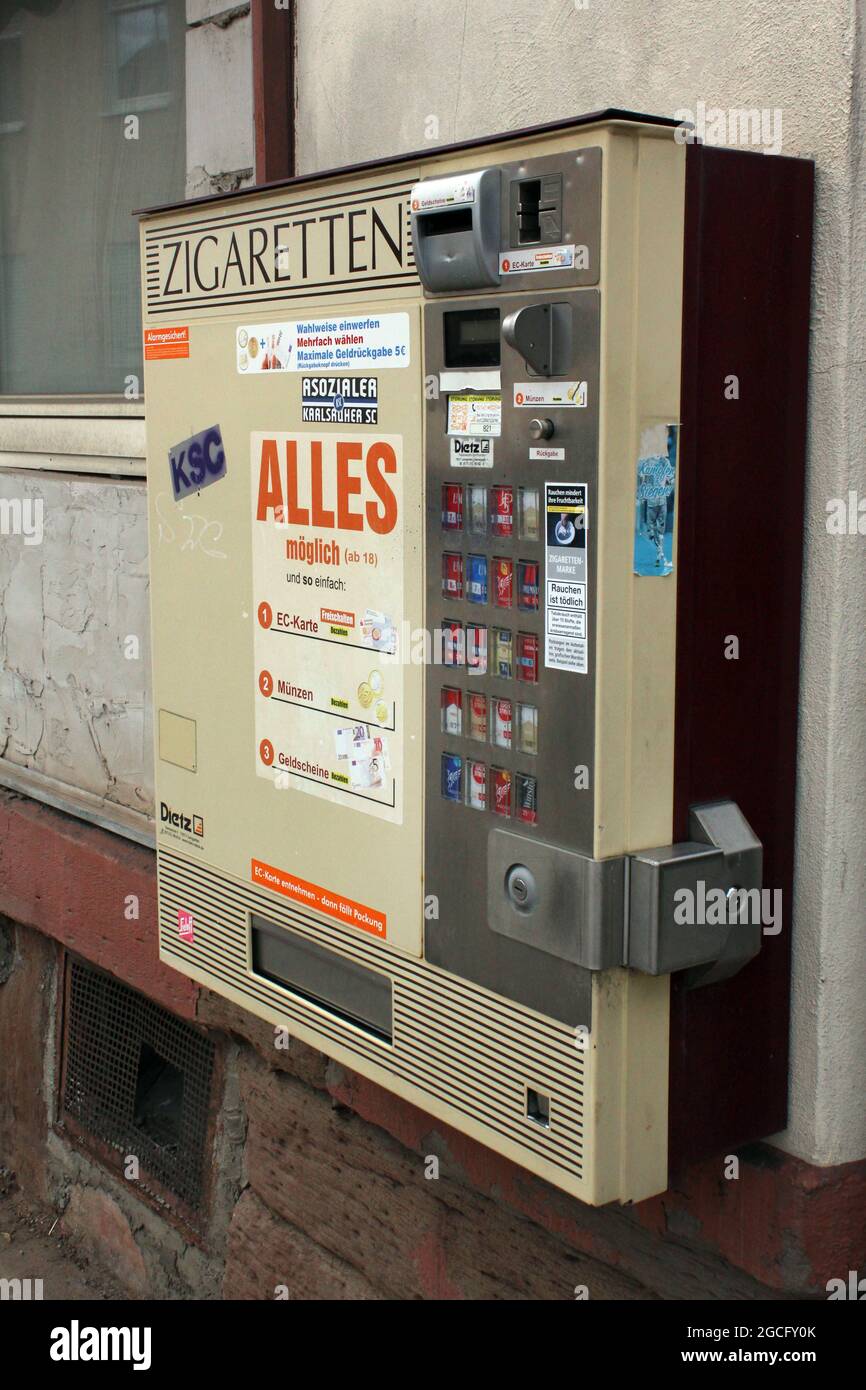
[(655, 500), (197, 462)]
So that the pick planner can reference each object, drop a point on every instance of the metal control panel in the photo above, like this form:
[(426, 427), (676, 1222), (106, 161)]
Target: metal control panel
[(511, 487), (511, 464)]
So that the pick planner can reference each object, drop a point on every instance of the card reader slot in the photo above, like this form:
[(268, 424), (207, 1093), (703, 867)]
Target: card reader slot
[(345, 989)]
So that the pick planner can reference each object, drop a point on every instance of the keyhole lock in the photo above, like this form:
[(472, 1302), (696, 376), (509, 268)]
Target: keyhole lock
[(521, 887)]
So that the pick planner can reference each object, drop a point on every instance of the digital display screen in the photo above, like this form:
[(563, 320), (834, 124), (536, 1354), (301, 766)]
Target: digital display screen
[(471, 338)]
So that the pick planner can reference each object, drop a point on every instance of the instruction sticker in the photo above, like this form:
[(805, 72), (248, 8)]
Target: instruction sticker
[(529, 394), (471, 452), (442, 193), (166, 342), (475, 413), (332, 344), (327, 549), (566, 633), (335, 905), (655, 498), (541, 258)]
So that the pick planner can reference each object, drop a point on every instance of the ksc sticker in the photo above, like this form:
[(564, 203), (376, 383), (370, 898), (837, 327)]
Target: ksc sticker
[(197, 462)]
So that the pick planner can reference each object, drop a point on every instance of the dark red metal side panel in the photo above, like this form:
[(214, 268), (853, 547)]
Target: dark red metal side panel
[(273, 90), (741, 479)]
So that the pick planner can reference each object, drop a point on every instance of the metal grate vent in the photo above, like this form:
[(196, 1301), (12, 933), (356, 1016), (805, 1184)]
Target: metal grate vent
[(138, 1080)]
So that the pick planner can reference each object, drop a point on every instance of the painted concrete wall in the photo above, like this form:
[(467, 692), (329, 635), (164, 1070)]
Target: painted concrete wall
[(75, 720), (378, 76), (219, 87)]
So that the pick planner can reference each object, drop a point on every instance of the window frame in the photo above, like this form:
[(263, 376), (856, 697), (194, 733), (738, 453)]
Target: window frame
[(115, 103), (10, 36)]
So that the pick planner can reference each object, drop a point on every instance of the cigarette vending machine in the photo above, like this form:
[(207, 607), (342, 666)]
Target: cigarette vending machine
[(475, 486)]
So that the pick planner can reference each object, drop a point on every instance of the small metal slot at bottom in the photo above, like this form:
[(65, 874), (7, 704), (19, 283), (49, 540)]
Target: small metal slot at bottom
[(538, 1107)]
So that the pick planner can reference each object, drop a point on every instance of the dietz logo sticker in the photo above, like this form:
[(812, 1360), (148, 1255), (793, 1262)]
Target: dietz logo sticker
[(197, 462), (178, 823), (185, 925), (471, 453), (333, 400)]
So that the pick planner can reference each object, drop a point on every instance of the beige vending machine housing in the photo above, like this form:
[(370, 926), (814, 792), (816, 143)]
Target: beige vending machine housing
[(301, 423)]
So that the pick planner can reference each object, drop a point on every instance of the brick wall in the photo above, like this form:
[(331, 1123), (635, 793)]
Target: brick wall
[(325, 1186)]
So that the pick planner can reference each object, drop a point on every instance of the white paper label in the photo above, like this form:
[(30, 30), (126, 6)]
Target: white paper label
[(566, 579), (475, 413), (540, 258), (528, 395), (442, 193), (469, 452), (544, 452), (473, 379)]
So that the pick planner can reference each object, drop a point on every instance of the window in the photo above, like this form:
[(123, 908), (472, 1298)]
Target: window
[(140, 69), (10, 82), (91, 127)]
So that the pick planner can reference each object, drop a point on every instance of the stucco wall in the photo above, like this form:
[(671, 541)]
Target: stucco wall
[(378, 76), (219, 88), (75, 720)]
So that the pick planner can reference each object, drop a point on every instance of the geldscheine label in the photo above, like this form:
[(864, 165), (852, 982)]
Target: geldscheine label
[(442, 193), (358, 343), (566, 631), (327, 522)]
